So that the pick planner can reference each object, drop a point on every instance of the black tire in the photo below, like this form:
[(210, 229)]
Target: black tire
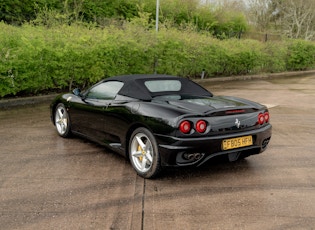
[(143, 153), (62, 121)]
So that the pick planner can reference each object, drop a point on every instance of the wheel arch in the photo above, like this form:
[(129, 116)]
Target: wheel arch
[(53, 106), (144, 157)]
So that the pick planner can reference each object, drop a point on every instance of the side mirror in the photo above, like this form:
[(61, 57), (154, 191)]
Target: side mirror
[(77, 92)]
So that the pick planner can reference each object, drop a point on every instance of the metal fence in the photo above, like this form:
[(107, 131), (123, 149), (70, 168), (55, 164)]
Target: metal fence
[(263, 37)]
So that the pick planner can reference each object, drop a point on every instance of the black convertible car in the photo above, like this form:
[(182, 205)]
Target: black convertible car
[(159, 120)]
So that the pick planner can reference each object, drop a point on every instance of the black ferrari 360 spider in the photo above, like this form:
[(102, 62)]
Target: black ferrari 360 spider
[(159, 120)]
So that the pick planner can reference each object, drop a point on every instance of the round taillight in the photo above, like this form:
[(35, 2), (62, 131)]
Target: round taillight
[(266, 117), (185, 127), (201, 126), (261, 119)]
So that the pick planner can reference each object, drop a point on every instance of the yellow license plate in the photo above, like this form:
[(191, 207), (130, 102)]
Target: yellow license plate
[(238, 142)]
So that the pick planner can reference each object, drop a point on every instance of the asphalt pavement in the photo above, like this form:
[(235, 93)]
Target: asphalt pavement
[(49, 182)]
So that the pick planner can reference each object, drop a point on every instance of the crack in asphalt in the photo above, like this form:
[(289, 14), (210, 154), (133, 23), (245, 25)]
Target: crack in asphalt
[(142, 204)]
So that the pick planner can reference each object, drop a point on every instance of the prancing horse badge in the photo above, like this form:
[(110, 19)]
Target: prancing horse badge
[(237, 123)]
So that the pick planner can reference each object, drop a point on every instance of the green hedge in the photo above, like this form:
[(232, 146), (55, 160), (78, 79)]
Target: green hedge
[(37, 59)]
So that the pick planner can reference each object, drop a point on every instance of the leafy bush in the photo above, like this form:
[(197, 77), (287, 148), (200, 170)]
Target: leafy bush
[(34, 59), (274, 57), (301, 55)]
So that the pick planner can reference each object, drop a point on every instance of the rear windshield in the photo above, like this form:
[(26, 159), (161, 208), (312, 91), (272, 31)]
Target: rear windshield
[(155, 86)]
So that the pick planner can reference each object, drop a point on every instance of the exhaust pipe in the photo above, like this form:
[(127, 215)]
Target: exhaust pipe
[(265, 143), (193, 156), (197, 156)]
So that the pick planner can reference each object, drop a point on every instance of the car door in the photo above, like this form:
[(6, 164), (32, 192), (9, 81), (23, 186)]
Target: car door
[(89, 116)]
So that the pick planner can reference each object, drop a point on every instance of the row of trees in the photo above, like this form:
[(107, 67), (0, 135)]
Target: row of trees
[(225, 18), (293, 18), (219, 21)]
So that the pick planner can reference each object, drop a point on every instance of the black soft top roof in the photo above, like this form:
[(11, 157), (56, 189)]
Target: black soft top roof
[(134, 86)]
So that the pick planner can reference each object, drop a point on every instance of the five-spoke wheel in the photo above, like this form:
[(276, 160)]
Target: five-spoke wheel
[(62, 120), (143, 153)]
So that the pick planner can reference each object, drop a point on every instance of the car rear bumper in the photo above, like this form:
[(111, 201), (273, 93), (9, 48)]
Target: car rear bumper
[(196, 151)]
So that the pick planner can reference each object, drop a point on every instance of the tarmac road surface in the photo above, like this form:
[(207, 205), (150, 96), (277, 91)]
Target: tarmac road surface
[(48, 182)]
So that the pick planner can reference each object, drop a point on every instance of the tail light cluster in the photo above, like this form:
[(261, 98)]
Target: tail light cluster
[(186, 126), (263, 118)]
